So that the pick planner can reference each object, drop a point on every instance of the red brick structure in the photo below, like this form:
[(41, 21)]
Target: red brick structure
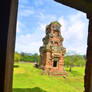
[(52, 52)]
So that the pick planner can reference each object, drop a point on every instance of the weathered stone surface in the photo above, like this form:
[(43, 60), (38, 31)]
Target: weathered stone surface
[(52, 52)]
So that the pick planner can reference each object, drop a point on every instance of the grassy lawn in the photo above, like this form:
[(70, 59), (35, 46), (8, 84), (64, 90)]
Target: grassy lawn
[(29, 79)]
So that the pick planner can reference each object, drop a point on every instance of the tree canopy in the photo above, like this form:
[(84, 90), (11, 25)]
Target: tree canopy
[(26, 57)]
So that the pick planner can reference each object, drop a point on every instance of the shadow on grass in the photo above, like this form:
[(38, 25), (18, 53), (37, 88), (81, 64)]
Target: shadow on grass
[(16, 66), (36, 89)]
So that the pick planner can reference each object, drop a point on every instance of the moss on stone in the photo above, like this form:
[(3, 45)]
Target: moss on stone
[(56, 22)]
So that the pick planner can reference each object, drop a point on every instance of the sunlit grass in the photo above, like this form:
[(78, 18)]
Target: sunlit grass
[(27, 78)]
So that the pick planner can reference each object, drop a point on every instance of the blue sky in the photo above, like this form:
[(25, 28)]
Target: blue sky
[(34, 15)]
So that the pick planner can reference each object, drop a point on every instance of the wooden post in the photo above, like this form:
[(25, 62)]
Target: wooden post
[(88, 70), (7, 42)]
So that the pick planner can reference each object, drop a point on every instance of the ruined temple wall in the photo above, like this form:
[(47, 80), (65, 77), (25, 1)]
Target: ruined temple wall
[(61, 63), (52, 50), (48, 60), (55, 39), (42, 60)]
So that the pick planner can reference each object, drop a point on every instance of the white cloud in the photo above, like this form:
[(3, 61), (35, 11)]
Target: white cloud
[(42, 27), (24, 1), (31, 42), (46, 17), (38, 2), (74, 31), (18, 29), (19, 26), (63, 23), (26, 11), (73, 26)]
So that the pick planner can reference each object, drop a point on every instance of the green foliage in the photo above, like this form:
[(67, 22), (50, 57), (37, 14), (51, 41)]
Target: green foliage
[(36, 57), (26, 57), (74, 60), (27, 78), (30, 57), (17, 57)]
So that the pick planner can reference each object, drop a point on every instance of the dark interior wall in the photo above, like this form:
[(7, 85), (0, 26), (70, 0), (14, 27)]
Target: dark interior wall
[(8, 16), (4, 24)]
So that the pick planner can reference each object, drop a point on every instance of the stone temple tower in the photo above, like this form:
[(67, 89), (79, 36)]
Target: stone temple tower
[(52, 52)]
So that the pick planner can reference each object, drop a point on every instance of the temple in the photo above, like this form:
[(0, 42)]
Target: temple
[(52, 52)]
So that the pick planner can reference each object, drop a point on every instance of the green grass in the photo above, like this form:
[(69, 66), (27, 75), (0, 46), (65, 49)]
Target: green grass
[(27, 78)]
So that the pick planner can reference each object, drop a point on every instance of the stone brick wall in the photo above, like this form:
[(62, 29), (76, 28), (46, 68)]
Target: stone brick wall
[(53, 59)]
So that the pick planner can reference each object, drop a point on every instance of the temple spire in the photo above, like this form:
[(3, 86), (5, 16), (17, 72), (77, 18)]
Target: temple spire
[(52, 52)]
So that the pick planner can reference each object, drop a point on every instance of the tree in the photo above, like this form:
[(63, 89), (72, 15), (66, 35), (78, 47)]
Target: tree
[(69, 62), (74, 60), (17, 57), (36, 57), (28, 57), (80, 60)]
